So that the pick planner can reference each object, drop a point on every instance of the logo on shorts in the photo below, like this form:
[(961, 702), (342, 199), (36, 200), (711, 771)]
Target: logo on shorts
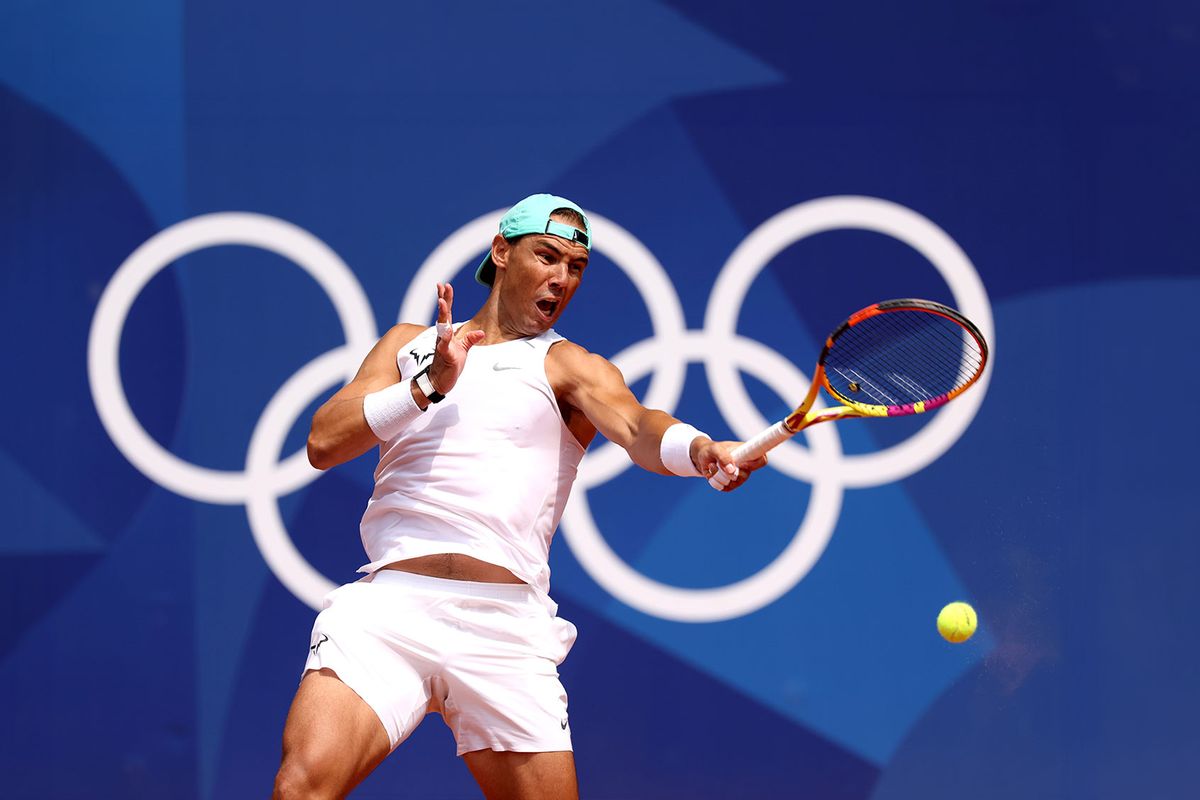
[(564, 724), (317, 646)]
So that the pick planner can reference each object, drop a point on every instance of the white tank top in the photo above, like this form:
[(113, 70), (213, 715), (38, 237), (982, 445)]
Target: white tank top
[(486, 472)]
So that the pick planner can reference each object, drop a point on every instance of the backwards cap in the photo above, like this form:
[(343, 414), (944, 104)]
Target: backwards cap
[(532, 215)]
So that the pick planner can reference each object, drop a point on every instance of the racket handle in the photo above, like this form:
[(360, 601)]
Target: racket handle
[(753, 448)]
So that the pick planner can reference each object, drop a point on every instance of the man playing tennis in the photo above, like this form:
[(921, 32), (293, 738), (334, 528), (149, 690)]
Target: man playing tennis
[(480, 428)]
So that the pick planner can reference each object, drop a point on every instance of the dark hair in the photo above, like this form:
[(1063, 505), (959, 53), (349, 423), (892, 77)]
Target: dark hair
[(571, 216)]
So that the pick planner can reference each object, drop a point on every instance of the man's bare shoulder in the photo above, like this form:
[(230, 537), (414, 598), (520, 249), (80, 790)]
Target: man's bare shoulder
[(383, 355), (404, 332), (569, 364)]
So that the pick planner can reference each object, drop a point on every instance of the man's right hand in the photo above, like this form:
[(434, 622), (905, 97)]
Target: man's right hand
[(714, 460), (450, 353)]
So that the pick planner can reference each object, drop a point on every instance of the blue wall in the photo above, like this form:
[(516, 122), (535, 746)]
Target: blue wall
[(1032, 162)]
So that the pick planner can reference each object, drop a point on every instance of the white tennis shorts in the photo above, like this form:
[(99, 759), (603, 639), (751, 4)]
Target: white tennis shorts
[(483, 655)]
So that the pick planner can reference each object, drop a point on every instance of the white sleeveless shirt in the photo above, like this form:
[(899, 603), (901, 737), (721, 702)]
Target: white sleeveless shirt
[(486, 472)]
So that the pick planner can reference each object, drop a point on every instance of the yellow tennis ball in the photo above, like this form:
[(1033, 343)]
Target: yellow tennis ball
[(957, 622)]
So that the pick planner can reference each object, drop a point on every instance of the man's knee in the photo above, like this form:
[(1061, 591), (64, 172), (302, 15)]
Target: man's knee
[(298, 780)]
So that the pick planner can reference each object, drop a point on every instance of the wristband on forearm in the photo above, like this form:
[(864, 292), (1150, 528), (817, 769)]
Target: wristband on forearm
[(389, 411), (676, 450)]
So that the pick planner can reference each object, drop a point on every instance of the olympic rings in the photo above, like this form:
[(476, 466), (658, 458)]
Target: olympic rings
[(665, 356), (104, 343)]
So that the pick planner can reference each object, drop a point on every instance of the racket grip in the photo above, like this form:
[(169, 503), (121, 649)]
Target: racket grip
[(753, 448)]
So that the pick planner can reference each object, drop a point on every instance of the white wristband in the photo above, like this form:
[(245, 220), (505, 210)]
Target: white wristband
[(676, 447), (390, 410)]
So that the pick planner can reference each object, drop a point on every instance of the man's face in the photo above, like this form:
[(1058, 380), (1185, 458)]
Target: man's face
[(537, 275)]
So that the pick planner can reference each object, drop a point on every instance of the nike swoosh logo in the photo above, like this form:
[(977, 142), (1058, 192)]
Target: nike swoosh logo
[(500, 367)]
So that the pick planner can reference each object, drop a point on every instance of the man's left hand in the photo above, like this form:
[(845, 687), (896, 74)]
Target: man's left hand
[(450, 352)]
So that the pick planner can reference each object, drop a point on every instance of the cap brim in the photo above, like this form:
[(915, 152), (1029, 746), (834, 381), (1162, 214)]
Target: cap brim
[(486, 274)]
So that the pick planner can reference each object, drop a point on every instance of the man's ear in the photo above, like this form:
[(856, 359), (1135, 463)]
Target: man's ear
[(500, 250)]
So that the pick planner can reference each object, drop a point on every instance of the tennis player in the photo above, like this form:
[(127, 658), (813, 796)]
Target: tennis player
[(480, 428)]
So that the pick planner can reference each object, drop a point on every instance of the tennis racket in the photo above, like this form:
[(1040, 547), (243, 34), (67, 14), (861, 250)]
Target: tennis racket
[(892, 359)]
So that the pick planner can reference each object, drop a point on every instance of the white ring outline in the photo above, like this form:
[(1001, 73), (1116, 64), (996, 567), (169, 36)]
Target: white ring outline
[(222, 487), (748, 594), (841, 213), (266, 444)]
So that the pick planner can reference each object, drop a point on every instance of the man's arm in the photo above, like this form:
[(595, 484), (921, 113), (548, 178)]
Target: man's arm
[(340, 431), (593, 385)]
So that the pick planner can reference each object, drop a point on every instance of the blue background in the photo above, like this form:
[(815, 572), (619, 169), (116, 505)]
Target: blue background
[(148, 651)]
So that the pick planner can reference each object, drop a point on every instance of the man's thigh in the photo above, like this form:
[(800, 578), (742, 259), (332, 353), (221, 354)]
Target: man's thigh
[(524, 776), (331, 741)]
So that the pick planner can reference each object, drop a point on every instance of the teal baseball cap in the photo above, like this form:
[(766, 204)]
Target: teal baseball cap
[(532, 215)]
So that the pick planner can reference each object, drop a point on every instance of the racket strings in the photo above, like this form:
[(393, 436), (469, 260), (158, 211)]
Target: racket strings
[(916, 333), (920, 362), (921, 355), (902, 356), (865, 385), (955, 340)]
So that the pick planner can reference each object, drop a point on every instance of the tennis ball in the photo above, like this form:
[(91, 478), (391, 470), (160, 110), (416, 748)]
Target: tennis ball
[(957, 622)]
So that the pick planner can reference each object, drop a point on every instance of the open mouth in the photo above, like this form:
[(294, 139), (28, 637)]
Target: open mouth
[(547, 306)]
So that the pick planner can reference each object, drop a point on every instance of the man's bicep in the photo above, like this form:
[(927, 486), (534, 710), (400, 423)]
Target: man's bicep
[(604, 398)]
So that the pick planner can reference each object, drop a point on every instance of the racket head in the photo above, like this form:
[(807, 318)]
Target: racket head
[(901, 357)]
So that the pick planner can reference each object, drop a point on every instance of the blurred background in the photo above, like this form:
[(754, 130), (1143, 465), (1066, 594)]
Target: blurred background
[(209, 210)]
